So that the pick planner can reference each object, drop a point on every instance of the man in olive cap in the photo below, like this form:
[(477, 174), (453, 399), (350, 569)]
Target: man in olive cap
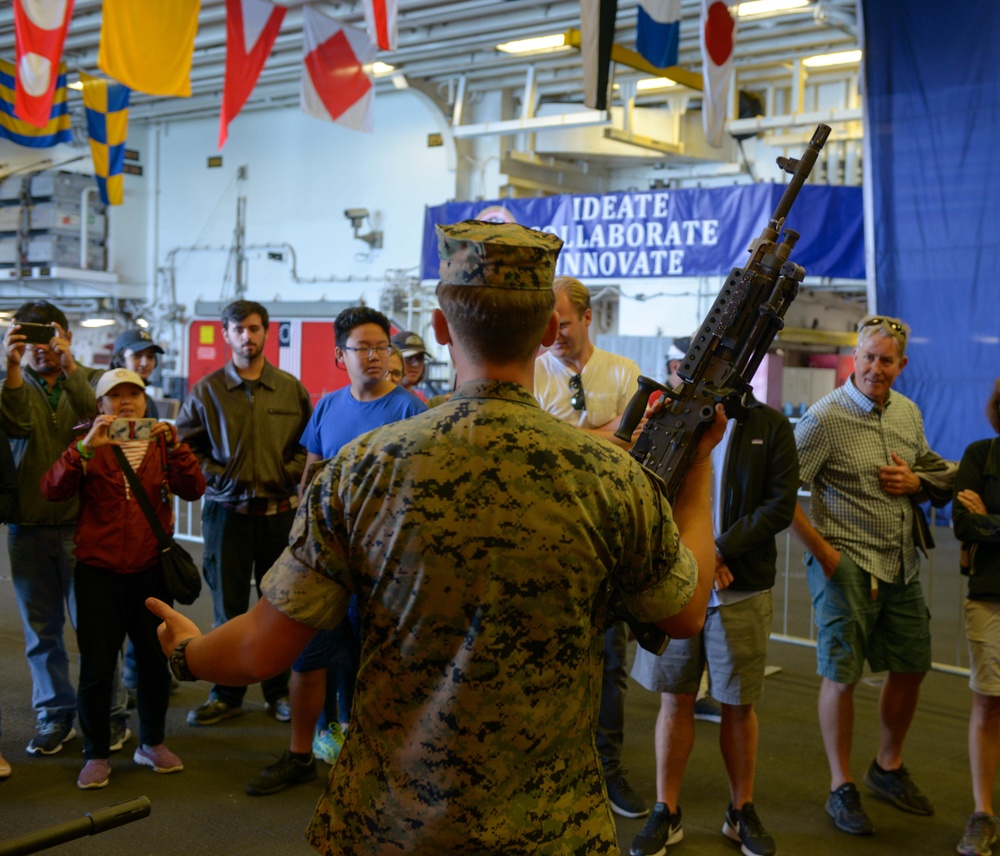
[(415, 355), (481, 537)]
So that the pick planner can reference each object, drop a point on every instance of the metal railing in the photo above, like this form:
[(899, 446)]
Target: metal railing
[(944, 590)]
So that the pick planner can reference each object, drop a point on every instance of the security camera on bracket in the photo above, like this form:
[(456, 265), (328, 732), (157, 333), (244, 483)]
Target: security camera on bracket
[(357, 216)]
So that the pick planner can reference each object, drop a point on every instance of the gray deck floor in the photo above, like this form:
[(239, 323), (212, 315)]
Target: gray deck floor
[(204, 809)]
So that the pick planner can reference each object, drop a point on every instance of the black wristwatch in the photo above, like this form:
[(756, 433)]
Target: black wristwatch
[(179, 664)]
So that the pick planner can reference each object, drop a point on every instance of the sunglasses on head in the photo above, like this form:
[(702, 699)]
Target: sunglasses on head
[(895, 326), (576, 387)]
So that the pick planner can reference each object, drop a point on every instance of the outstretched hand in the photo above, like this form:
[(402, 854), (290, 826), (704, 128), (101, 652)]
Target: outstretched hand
[(175, 627)]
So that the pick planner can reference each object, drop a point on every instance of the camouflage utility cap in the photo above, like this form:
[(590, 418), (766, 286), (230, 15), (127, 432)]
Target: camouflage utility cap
[(501, 255)]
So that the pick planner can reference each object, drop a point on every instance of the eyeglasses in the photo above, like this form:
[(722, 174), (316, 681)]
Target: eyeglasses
[(394, 374), (381, 350), (895, 326), (576, 387)]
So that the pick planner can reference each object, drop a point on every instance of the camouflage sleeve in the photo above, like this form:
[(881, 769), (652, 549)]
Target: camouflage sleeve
[(310, 581), (660, 573)]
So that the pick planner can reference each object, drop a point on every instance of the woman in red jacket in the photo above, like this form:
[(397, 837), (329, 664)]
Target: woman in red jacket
[(118, 567)]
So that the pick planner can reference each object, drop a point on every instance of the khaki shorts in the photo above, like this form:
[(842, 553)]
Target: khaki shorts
[(982, 627), (733, 645)]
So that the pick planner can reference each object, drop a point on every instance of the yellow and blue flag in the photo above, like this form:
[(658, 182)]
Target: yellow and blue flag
[(57, 130), (106, 103)]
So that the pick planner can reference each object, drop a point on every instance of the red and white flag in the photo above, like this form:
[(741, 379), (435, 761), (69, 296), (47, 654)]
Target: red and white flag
[(251, 28), (40, 31), (335, 83), (718, 33), (381, 21)]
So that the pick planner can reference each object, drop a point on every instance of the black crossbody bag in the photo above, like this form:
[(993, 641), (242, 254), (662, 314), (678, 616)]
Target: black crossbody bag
[(180, 573)]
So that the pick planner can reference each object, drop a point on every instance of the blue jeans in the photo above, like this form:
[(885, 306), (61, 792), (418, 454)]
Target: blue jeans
[(41, 565)]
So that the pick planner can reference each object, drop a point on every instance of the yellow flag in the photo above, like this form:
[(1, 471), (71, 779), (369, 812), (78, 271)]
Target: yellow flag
[(148, 45)]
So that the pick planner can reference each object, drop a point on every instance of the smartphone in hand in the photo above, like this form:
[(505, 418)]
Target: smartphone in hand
[(131, 429), (37, 334)]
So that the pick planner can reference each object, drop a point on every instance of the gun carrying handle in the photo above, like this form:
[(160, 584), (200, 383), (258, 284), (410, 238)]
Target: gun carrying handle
[(636, 408)]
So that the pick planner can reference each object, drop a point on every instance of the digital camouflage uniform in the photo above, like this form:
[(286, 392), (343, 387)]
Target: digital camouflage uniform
[(481, 538)]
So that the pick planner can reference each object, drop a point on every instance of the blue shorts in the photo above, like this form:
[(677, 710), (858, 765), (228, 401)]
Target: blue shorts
[(892, 631)]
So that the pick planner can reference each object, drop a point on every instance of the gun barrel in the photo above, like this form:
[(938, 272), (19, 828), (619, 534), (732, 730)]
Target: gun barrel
[(800, 171), (90, 824)]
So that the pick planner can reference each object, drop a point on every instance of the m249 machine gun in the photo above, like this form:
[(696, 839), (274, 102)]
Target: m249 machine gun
[(724, 355)]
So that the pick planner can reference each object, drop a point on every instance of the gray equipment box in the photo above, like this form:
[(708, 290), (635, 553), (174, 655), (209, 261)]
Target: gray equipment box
[(64, 250), (63, 216), (10, 189), (8, 252), (60, 185), (10, 218)]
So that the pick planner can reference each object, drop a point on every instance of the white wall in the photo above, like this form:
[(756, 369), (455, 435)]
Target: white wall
[(302, 174)]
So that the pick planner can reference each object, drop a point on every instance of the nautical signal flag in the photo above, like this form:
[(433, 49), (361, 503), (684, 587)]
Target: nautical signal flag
[(106, 103), (251, 29), (658, 31), (597, 35), (335, 84), (718, 31), (381, 19), (56, 130), (148, 45), (40, 31)]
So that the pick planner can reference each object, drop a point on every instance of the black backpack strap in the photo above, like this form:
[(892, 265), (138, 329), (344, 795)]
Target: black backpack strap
[(142, 497)]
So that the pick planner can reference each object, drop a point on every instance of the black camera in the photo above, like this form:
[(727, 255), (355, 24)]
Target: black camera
[(37, 334)]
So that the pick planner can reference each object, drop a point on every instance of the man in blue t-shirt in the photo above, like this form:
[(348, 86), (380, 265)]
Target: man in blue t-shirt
[(370, 401)]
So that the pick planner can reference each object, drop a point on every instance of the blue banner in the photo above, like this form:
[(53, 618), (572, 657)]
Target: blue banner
[(674, 233), (932, 85)]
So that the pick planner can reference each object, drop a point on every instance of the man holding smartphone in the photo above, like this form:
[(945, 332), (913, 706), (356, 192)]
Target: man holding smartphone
[(45, 394)]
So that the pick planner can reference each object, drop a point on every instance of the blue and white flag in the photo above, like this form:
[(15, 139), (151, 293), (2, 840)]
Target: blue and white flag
[(658, 31)]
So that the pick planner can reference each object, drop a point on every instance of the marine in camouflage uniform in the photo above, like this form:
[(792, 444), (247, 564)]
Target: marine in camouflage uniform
[(481, 538)]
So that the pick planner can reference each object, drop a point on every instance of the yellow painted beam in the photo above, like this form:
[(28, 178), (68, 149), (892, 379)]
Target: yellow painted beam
[(805, 336), (624, 56)]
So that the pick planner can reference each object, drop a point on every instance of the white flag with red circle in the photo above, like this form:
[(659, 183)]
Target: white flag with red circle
[(718, 32), (381, 18), (40, 30), (336, 82)]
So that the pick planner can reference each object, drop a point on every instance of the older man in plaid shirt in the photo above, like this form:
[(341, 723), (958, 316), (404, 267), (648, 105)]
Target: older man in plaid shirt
[(856, 448)]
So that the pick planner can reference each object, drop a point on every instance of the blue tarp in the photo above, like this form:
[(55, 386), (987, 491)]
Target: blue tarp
[(932, 84), (674, 233)]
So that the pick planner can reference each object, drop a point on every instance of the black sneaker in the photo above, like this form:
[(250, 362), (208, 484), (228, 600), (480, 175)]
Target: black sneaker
[(662, 828), (623, 799), (744, 826), (287, 770), (212, 711), (844, 806), (897, 787), (980, 833), (50, 734)]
